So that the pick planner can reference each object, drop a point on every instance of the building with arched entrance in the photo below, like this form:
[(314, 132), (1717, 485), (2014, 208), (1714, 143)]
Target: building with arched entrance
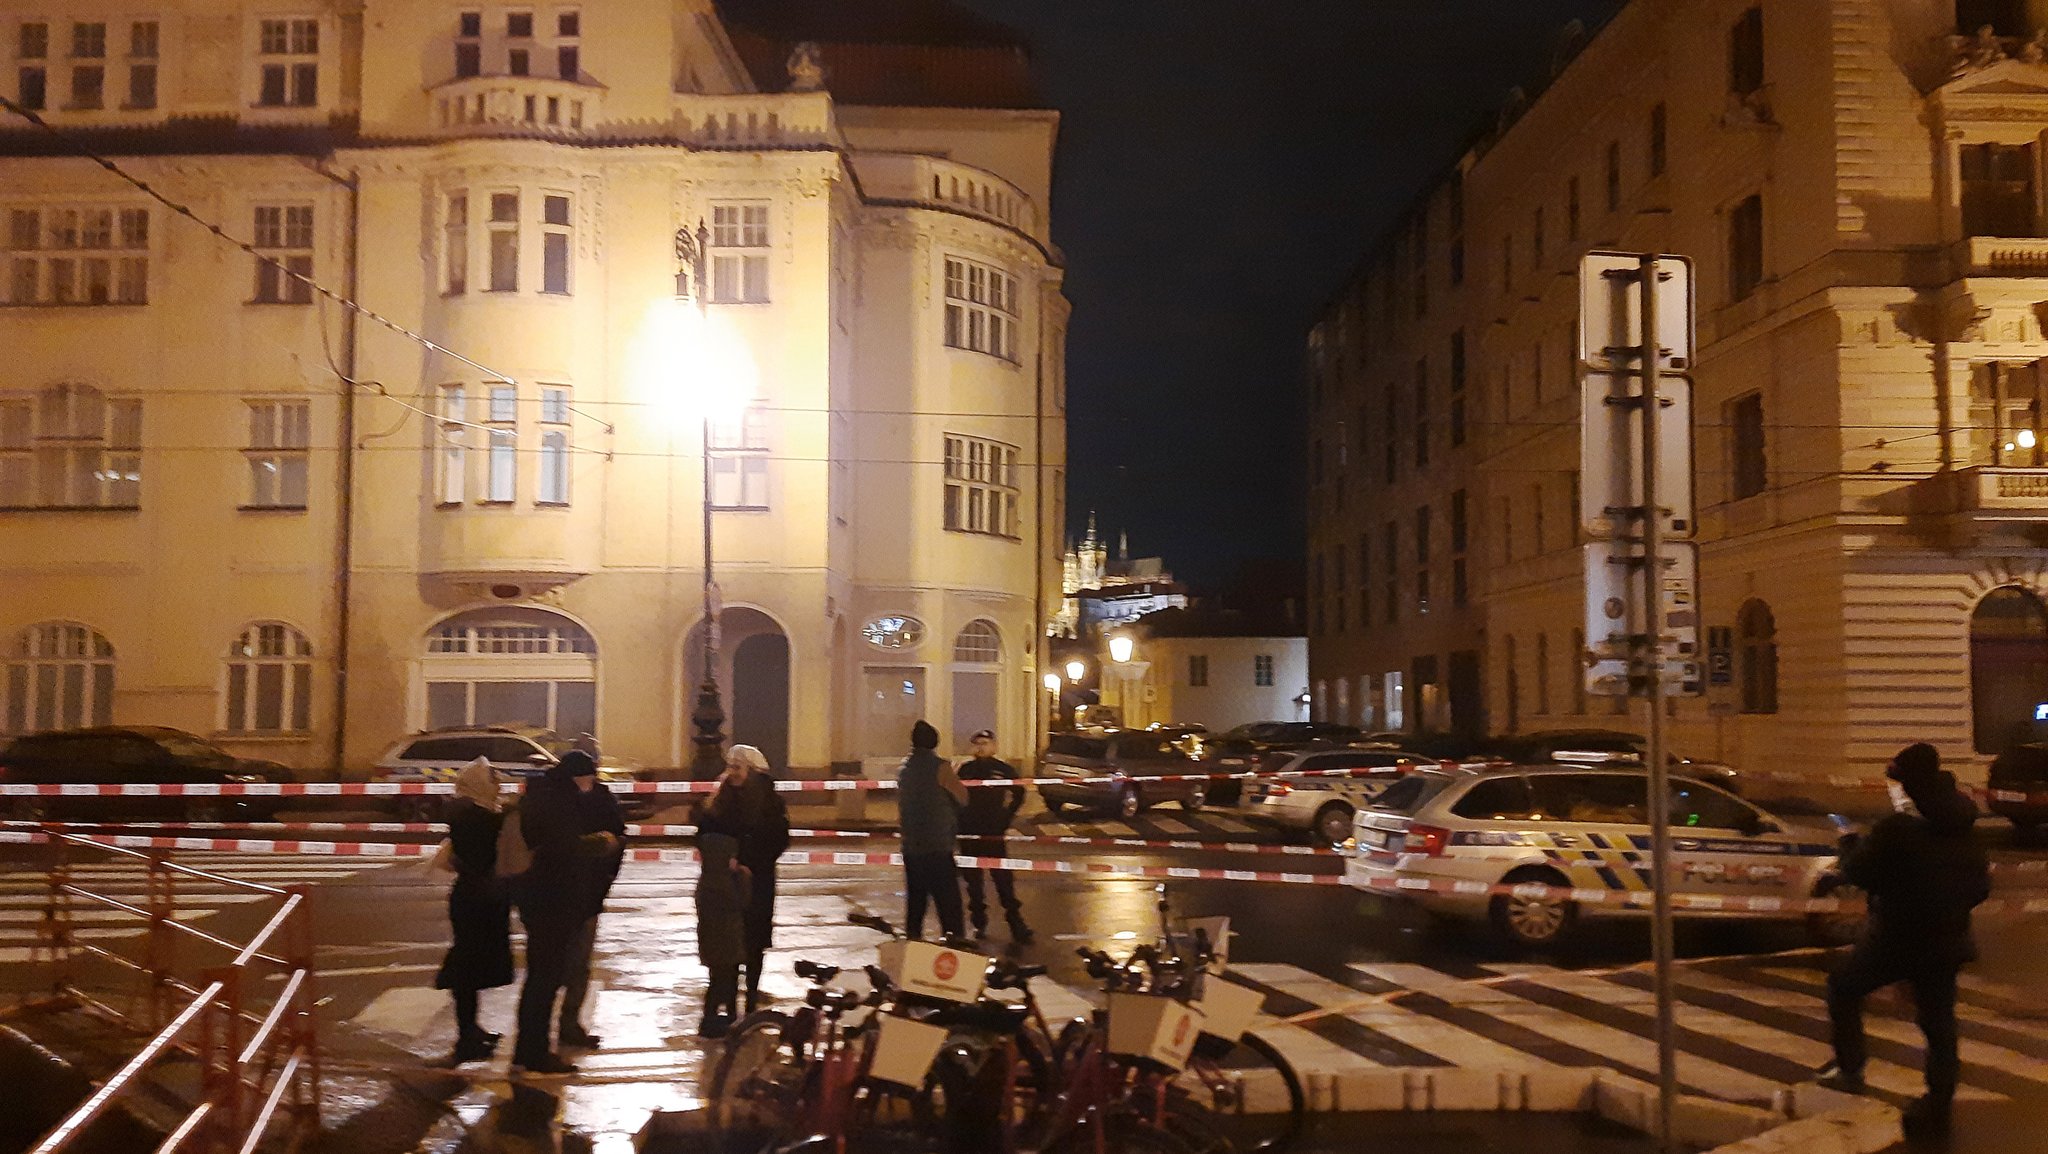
[(232, 507)]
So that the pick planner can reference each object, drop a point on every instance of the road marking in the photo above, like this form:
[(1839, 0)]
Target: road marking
[(1178, 828), (1451, 1043), (1407, 975), (1226, 824)]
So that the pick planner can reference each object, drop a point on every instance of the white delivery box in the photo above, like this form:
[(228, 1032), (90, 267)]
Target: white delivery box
[(1153, 1026), (934, 971), (904, 1050), (1227, 1008)]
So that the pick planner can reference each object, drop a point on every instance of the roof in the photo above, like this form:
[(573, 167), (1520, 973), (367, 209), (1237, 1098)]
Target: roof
[(1215, 623), (886, 53)]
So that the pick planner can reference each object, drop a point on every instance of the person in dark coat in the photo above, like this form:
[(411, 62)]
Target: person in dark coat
[(929, 798), (553, 897), (598, 812), (983, 822), (1923, 873), (479, 909), (722, 887), (748, 808)]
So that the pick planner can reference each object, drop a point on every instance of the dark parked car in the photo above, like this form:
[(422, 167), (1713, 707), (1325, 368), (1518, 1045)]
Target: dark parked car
[(1263, 744), (2019, 787), (1596, 747), (133, 755), (1117, 754)]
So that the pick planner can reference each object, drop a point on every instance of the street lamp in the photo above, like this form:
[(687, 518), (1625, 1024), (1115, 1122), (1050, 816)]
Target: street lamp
[(1051, 681), (1076, 670), (1120, 649), (709, 715)]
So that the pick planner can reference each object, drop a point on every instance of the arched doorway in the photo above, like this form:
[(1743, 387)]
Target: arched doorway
[(511, 665), (977, 679), (2008, 667), (753, 680)]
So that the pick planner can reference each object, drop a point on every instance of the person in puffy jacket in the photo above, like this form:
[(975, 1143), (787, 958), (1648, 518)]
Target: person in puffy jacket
[(722, 886), (929, 798), (479, 909), (748, 809), (1923, 873)]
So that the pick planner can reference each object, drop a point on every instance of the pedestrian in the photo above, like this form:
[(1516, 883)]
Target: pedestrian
[(722, 886), (747, 808), (983, 822), (598, 812), (1922, 872), (929, 798), (553, 896), (479, 909)]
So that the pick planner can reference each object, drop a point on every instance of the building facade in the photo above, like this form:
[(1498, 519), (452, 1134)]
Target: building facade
[(1200, 667), (232, 505), (1097, 591), (1859, 187)]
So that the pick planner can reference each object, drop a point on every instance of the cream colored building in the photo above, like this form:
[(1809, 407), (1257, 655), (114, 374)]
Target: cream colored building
[(203, 525), (1860, 189), (1201, 667)]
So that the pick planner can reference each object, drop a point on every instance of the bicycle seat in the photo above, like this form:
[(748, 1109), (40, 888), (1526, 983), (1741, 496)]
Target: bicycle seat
[(815, 971), (1005, 976), (832, 1001)]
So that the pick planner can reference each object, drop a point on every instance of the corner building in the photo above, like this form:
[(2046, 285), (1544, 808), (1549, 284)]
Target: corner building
[(229, 505), (1859, 187)]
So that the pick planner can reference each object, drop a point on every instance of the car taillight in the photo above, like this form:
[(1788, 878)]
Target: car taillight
[(1427, 840), (1279, 789)]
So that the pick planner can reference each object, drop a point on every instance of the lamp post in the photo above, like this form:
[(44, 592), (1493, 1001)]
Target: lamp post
[(1051, 682), (1120, 647), (709, 715)]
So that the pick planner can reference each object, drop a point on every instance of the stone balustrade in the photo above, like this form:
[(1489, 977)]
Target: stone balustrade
[(947, 184)]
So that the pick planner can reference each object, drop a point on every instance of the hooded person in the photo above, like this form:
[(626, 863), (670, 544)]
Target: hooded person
[(553, 897), (748, 809), (1922, 873), (479, 910), (721, 896), (929, 798), (597, 813)]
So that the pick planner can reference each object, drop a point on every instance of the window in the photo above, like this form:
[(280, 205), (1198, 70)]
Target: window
[(1422, 559), (1697, 806), (77, 256), (290, 69), (1507, 529), (1543, 673), (1571, 208), (1512, 667), (1507, 263), (1536, 522), (739, 253), (981, 309), (1339, 582), (32, 45), (568, 59), (270, 681), (1422, 414), (1746, 53), (469, 49), (1391, 550), (1459, 521), (511, 666), (1998, 190), (739, 464), (285, 234), (1750, 475), (554, 447), (1458, 388), (1262, 670), (519, 25), (1613, 175), (1658, 141), (1536, 238), (2007, 406), (981, 486), (88, 74), (504, 228), (60, 676), (1503, 798), (455, 242), (1757, 652), (554, 244), (1591, 798), (1745, 247), (70, 447), (142, 50), (452, 461), (279, 437), (1365, 580), (1393, 442), (1198, 670), (978, 643), (518, 61), (501, 472)]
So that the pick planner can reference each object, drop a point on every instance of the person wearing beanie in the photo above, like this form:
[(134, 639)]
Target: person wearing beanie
[(1922, 873), (984, 821), (553, 897), (929, 798)]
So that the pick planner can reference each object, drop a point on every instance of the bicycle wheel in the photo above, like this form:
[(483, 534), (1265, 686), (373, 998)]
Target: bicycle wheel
[(1244, 1090), (759, 1081)]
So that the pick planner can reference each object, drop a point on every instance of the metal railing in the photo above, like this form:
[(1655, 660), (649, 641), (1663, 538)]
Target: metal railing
[(252, 1065)]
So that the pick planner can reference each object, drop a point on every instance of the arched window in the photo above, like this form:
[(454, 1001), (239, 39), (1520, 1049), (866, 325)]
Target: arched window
[(1543, 673), (1514, 684), (69, 446), (979, 643), (60, 676), (270, 680), (2008, 668), (511, 665), (1757, 644)]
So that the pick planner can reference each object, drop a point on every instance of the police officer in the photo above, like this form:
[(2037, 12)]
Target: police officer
[(983, 823)]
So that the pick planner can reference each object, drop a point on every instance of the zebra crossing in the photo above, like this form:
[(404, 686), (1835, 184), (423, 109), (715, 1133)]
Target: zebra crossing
[(1162, 825)]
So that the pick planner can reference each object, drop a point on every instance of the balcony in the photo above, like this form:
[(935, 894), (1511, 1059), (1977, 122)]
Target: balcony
[(487, 545), (540, 105), (2002, 256), (2000, 493), (755, 120), (933, 182)]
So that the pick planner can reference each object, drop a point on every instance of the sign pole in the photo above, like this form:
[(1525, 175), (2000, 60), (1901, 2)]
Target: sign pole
[(1652, 655)]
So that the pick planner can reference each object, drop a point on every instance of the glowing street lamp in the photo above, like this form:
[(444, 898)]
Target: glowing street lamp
[(1076, 670), (1120, 649), (1052, 683)]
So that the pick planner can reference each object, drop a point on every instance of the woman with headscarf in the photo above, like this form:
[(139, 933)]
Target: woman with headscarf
[(747, 808), (479, 909)]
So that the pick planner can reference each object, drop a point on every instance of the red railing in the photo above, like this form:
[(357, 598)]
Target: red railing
[(252, 1065)]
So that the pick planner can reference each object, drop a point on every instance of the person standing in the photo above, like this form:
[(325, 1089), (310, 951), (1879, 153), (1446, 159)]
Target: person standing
[(597, 811), (479, 909), (553, 896), (983, 822), (721, 894), (929, 798), (747, 807), (1923, 873)]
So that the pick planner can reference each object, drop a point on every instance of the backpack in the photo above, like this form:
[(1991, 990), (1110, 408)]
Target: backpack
[(514, 856)]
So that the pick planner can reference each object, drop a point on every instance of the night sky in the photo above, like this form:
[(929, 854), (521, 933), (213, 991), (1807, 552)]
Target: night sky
[(1222, 166)]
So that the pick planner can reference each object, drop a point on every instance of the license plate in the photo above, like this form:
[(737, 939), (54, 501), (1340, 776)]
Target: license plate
[(1372, 837)]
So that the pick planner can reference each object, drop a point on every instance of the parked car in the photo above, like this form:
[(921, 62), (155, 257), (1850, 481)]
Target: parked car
[(133, 755), (2018, 787), (1258, 745), (1598, 747), (517, 751), (1322, 807), (1583, 827), (1117, 754)]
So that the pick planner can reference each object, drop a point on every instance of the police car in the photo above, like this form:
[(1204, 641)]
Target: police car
[(1323, 807), (1577, 826)]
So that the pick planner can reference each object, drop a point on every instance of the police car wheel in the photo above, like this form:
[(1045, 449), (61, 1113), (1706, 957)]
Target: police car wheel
[(1127, 803), (1525, 922), (1332, 823)]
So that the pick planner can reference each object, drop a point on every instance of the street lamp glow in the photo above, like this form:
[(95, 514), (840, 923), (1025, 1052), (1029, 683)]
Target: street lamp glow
[(689, 366), (2026, 438), (1120, 649), (1052, 682), (1076, 670)]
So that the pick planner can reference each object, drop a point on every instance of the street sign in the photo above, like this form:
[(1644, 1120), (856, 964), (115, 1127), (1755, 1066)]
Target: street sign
[(1611, 312), (1611, 455), (1615, 618)]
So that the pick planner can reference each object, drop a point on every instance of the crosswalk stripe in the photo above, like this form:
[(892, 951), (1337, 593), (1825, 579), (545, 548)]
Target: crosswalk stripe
[(1430, 1035), (1407, 975), (1168, 825), (1116, 829), (1977, 1023), (1226, 824)]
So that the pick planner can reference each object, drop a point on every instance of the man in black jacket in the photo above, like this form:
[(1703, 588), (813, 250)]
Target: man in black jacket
[(983, 823), (1923, 873), (553, 897)]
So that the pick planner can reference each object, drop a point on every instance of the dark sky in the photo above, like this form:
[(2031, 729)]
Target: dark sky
[(1221, 166)]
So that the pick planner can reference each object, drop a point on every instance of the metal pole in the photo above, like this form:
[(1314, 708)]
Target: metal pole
[(709, 715), (1651, 649)]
